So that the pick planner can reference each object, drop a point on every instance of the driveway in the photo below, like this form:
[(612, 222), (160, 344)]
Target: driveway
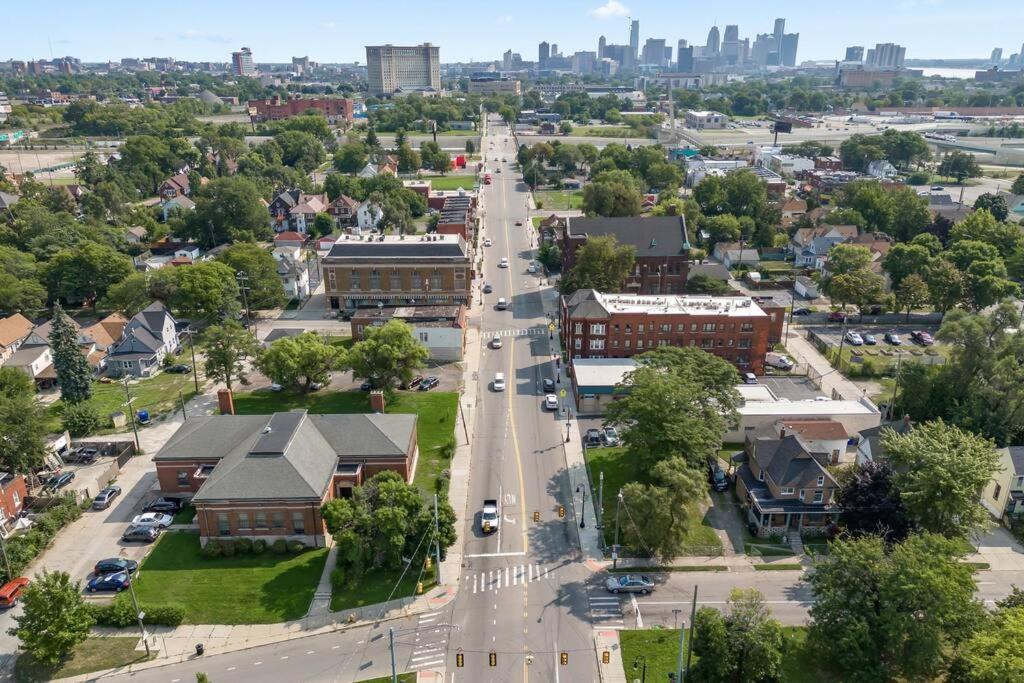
[(833, 383), (724, 517)]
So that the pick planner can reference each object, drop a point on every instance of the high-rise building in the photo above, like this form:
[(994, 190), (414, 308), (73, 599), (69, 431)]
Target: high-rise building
[(997, 55), (654, 52), (584, 62), (634, 38), (242, 62), (554, 50), (543, 52), (601, 43), (732, 33), (5, 107), (731, 47), (714, 43), (886, 55), (787, 51), (684, 63), (854, 53), (403, 67), (780, 28), (301, 65)]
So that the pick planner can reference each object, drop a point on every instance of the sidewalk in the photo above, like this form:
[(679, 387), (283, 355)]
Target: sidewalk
[(607, 640), (833, 383)]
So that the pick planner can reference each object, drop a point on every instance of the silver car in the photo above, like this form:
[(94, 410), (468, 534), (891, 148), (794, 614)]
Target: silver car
[(630, 583)]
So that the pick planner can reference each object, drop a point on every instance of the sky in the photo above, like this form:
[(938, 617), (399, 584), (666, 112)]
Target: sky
[(338, 30)]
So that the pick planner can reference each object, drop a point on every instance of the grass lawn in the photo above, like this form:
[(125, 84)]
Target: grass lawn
[(779, 567), (451, 182), (603, 132), (185, 515), (158, 395), (537, 220), (378, 586), (244, 589), (95, 654), (559, 199), (436, 425), (619, 469)]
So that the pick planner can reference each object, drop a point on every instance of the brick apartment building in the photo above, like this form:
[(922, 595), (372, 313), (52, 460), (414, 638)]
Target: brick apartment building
[(661, 243), (396, 270), (597, 325), (274, 109)]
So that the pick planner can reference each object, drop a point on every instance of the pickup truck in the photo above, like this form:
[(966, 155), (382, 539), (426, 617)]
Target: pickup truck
[(489, 516)]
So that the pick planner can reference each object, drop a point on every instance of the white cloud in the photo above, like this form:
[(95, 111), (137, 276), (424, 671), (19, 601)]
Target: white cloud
[(195, 34), (612, 8), (507, 19)]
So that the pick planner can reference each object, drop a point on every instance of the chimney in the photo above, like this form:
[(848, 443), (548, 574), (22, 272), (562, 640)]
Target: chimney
[(671, 210), (226, 402), (377, 401)]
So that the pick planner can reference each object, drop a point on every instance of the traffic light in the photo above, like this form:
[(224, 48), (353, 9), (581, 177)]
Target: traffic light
[(492, 658), (460, 660), (536, 515), (564, 657), (561, 511), (606, 657)]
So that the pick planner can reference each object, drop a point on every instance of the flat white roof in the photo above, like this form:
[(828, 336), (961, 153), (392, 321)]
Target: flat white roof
[(755, 392), (809, 408), (601, 372), (704, 114), (740, 306)]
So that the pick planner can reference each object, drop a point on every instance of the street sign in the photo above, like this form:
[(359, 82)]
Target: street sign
[(562, 393), (551, 327)]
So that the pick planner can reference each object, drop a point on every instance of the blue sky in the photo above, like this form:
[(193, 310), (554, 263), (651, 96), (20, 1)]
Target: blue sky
[(337, 31)]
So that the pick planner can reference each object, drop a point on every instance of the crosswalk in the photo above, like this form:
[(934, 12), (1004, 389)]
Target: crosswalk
[(431, 642), (506, 577), (521, 332), (605, 609)]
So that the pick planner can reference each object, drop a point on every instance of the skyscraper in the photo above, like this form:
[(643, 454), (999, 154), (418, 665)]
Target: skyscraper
[(997, 55), (731, 48), (554, 49), (543, 52), (732, 33), (888, 55), (634, 38), (242, 62), (601, 43), (395, 67), (684, 63), (787, 52), (714, 43), (854, 53), (780, 28), (654, 52)]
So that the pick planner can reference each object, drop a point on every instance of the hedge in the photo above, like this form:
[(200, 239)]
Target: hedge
[(121, 614)]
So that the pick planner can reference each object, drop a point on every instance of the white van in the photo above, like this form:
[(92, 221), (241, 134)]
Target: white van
[(499, 381), (502, 303)]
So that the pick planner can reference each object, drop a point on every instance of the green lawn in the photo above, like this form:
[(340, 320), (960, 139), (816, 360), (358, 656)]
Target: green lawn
[(185, 515), (436, 425), (604, 132), (244, 589), (619, 469), (559, 199), (451, 182), (95, 654), (158, 395), (379, 586)]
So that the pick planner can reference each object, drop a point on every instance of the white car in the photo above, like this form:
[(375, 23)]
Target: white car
[(156, 519), (531, 269), (499, 381), (503, 263), (495, 342), (854, 339), (551, 402), (487, 242)]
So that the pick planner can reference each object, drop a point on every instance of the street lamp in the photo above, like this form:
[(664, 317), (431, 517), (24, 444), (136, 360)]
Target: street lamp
[(638, 661), (583, 505)]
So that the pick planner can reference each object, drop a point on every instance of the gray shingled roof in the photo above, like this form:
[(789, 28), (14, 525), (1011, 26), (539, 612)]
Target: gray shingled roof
[(152, 318), (1017, 458), (652, 236), (367, 435), (788, 461), (584, 304), (138, 341)]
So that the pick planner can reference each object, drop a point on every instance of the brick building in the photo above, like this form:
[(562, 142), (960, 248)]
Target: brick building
[(397, 270), (661, 242), (597, 325), (274, 109)]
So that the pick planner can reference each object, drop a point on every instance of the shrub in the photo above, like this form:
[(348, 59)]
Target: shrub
[(227, 548), (212, 548), (296, 547), (164, 615), (121, 614), (259, 546), (918, 178), (338, 579), (81, 419), (21, 550), (243, 546), (280, 546)]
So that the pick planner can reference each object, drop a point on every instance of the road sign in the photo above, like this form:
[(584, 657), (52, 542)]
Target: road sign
[(492, 658), (551, 327), (562, 393)]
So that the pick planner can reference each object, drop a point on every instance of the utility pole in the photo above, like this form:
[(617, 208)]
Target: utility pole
[(437, 543), (243, 286), (615, 545), (139, 614), (391, 645), (689, 645), (895, 385), (131, 412), (599, 510), (181, 398), (192, 347)]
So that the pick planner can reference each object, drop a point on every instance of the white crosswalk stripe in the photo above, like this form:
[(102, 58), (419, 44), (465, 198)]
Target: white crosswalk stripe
[(605, 609), (431, 642), (507, 577), (521, 332)]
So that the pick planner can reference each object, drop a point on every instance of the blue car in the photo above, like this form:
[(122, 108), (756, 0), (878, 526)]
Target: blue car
[(116, 582)]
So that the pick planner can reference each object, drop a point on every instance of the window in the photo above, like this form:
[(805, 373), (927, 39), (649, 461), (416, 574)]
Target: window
[(243, 520), (663, 342), (693, 327), (760, 475), (615, 343), (353, 280), (332, 281), (640, 328), (374, 279), (744, 343), (578, 328), (277, 520), (616, 328), (435, 280), (183, 478), (223, 527), (16, 498), (719, 343), (639, 343), (693, 342), (665, 327), (597, 328), (995, 494), (730, 343), (746, 327), (707, 343), (817, 496), (417, 281), (261, 520), (628, 343), (801, 494), (709, 327), (597, 344), (821, 480), (629, 329), (680, 327), (299, 522), (787, 491), (578, 343)]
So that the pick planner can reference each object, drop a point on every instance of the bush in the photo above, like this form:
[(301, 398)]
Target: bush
[(338, 579), (164, 615), (21, 550), (213, 548), (280, 546), (259, 546), (243, 546), (227, 548), (296, 547), (121, 614), (81, 419), (919, 178)]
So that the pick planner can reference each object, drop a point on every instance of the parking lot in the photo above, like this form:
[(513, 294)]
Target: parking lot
[(832, 334)]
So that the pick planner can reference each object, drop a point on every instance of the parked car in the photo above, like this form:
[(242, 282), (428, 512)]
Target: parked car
[(869, 339), (716, 476), (518, 222), (549, 385), (164, 505), (496, 342), (157, 519), (146, 534), (110, 582), (113, 565), (83, 454), (922, 337), (749, 378), (10, 592), (413, 383), (593, 437), (429, 383), (854, 339), (836, 317), (488, 288), (610, 436), (779, 361), (630, 583), (551, 402), (58, 481), (893, 338), (105, 497), (274, 386), (802, 310), (180, 369)]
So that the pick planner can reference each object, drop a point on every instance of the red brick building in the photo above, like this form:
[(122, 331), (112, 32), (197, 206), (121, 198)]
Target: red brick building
[(597, 325), (12, 496), (661, 243), (267, 476), (335, 109)]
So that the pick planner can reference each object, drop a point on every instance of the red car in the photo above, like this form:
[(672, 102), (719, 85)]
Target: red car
[(11, 591), (922, 338), (836, 317)]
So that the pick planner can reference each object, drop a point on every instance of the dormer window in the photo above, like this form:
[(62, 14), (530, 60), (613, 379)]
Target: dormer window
[(821, 480)]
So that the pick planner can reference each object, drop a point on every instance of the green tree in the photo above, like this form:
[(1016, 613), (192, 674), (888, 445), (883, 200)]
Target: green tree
[(910, 214), (228, 349), (323, 225), (85, 273), (73, 371), (258, 264), (550, 256), (945, 284), (387, 355), (207, 291), (721, 228), (54, 619), (300, 150), (23, 423), (940, 472), (1018, 185), (227, 210), (905, 259), (994, 204), (845, 259), (305, 359), (611, 198), (351, 157), (982, 226), (959, 165), (601, 263), (997, 648), (871, 201), (20, 289), (656, 520), (744, 645), (912, 293), (870, 503)]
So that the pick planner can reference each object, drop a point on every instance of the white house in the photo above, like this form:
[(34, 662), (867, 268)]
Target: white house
[(881, 169), (176, 204), (368, 216), (148, 338), (731, 255), (33, 360), (806, 287), (293, 271), (188, 251)]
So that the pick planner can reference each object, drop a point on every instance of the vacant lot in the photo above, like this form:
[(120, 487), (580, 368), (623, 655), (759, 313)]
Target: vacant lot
[(451, 182), (559, 199)]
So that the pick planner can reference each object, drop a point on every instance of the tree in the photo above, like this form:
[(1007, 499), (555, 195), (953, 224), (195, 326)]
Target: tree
[(323, 225), (409, 160), (945, 284), (744, 645), (721, 228), (1018, 185), (265, 287), (72, 368), (565, 127), (879, 615), (207, 291), (54, 619), (85, 273), (350, 158), (611, 198), (23, 423), (959, 165), (227, 210), (905, 259), (387, 355), (994, 204), (550, 256), (845, 259), (996, 649), (601, 263), (910, 214), (940, 472), (300, 150), (871, 504), (982, 226), (871, 201), (228, 347), (912, 293), (305, 359), (20, 289)]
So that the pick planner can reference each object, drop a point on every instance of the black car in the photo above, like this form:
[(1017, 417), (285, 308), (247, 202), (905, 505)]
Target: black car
[(83, 454), (549, 385), (367, 385), (165, 505), (59, 481), (179, 369), (413, 383), (146, 534), (113, 565), (429, 383), (802, 310), (105, 497), (488, 288), (717, 478)]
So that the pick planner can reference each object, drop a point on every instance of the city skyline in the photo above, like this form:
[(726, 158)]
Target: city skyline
[(212, 33)]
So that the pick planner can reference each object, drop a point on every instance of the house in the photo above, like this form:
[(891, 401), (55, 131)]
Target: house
[(324, 244), (188, 251), (95, 352), (762, 408), (36, 362), (289, 238), (794, 208), (369, 216), (295, 210), (881, 169), (175, 186), (1003, 496), (731, 255), (106, 332), (13, 331), (1015, 203), (942, 204), (374, 168), (803, 237), (441, 328), (7, 200), (869, 441), (12, 497), (594, 382), (293, 271), (710, 270), (136, 234), (822, 435), (806, 287), (148, 338), (784, 486), (267, 476), (815, 255), (343, 210), (181, 203)]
